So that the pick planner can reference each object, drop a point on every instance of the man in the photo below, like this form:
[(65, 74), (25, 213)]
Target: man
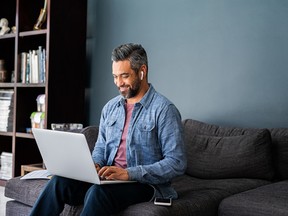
[(140, 139)]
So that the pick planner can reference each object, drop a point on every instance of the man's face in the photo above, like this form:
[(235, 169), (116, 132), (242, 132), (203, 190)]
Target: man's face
[(126, 80)]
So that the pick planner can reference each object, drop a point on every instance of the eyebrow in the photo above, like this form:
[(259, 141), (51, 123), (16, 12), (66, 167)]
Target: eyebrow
[(121, 74)]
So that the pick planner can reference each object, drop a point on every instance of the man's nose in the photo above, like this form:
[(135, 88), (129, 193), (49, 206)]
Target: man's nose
[(118, 81)]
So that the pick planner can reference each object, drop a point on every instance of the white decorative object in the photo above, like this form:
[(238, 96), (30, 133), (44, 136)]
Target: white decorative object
[(13, 29), (4, 26)]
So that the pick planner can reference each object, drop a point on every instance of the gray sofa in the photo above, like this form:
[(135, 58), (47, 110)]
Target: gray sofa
[(231, 171)]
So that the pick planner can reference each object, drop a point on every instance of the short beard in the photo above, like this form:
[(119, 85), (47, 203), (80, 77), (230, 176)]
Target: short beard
[(133, 91)]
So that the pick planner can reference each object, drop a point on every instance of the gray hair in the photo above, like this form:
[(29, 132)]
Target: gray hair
[(135, 53)]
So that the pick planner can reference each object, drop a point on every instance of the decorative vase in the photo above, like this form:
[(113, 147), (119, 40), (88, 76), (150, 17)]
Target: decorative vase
[(3, 71)]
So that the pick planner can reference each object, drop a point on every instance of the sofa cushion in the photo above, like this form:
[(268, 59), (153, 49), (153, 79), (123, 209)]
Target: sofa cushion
[(202, 197), (15, 208), (196, 197), (280, 152), (24, 191), (219, 152), (262, 201), (91, 134)]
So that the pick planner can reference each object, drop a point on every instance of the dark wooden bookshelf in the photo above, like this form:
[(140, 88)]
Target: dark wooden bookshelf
[(63, 35)]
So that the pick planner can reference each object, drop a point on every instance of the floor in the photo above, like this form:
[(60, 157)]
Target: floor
[(3, 201)]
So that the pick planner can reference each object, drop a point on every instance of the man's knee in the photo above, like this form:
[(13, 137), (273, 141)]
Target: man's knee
[(95, 190), (98, 193)]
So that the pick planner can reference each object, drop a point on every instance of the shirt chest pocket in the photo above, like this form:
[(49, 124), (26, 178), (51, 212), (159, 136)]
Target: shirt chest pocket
[(146, 126), (113, 129), (147, 132), (148, 139)]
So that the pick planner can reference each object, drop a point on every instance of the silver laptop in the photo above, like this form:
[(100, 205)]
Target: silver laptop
[(67, 154)]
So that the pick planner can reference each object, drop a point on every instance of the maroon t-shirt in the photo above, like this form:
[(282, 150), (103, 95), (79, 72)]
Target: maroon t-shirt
[(120, 158)]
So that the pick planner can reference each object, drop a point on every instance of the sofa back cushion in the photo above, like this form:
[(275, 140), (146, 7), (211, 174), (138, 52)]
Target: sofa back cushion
[(91, 134), (227, 152), (280, 152)]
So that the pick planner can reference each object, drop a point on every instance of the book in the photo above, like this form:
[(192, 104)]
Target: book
[(33, 66), (41, 64), (6, 165), (37, 174), (23, 66), (6, 109)]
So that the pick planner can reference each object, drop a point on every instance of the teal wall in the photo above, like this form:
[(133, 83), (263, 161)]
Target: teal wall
[(219, 61)]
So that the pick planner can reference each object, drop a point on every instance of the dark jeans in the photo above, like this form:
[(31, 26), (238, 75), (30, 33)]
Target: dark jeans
[(97, 199)]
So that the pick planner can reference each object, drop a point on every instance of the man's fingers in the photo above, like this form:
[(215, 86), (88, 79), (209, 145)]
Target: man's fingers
[(102, 170), (112, 172)]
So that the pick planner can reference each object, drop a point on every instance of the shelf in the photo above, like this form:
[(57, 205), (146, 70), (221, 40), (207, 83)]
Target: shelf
[(7, 36), (33, 32), (30, 85), (3, 133), (6, 85), (24, 135)]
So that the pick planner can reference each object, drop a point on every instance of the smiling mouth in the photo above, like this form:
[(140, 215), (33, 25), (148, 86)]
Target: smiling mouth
[(123, 89)]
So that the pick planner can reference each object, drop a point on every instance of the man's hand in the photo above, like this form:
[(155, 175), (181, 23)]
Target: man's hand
[(97, 166), (113, 173)]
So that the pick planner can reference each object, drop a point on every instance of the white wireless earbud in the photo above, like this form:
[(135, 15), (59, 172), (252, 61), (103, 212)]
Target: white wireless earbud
[(142, 74)]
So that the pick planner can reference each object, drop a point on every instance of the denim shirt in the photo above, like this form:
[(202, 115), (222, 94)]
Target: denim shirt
[(154, 146)]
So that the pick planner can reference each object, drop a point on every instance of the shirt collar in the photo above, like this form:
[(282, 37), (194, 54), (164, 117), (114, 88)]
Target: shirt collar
[(146, 99)]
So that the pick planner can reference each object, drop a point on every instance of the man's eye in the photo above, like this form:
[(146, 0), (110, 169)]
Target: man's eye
[(125, 76)]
